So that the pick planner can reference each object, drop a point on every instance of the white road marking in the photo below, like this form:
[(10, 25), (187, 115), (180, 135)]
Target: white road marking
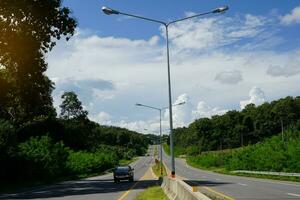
[(218, 179), (270, 182), (292, 194), (243, 184)]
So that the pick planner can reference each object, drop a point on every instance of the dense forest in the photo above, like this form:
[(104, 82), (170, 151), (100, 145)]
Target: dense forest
[(35, 143), (239, 128)]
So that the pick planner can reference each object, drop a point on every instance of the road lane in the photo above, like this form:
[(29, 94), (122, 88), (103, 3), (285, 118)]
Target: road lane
[(94, 188), (235, 186)]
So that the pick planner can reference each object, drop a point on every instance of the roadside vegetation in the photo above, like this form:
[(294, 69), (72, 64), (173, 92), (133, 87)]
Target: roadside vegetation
[(156, 169), (236, 129), (152, 193), (37, 145), (250, 139), (273, 154)]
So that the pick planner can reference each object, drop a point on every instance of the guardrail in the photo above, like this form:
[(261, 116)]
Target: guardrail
[(267, 173), (179, 190)]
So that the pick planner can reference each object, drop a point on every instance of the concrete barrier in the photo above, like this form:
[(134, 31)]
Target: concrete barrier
[(179, 190)]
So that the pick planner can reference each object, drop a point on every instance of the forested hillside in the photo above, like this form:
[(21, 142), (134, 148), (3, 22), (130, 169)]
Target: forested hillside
[(272, 154), (35, 143), (238, 128)]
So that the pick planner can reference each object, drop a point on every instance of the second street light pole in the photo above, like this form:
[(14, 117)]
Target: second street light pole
[(160, 128), (110, 11)]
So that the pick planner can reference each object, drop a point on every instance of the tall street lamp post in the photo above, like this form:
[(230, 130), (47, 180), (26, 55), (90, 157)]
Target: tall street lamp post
[(160, 130), (110, 11)]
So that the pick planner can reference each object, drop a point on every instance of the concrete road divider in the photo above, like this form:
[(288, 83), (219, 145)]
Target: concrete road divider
[(179, 190)]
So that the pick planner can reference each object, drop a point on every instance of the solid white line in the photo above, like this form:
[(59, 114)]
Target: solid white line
[(243, 184), (292, 194), (218, 179)]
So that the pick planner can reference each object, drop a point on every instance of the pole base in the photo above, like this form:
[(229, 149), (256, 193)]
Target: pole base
[(173, 174)]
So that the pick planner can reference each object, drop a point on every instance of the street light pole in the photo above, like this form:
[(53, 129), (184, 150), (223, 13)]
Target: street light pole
[(160, 128), (110, 11)]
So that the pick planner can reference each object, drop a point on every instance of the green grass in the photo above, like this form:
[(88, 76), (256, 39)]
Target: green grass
[(152, 193), (156, 170), (225, 171), (177, 150), (156, 151), (127, 162), (269, 155)]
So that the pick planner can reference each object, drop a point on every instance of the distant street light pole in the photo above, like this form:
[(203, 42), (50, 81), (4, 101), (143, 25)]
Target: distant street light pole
[(160, 130), (110, 11)]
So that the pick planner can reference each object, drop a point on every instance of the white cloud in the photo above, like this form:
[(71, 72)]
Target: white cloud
[(252, 26), (103, 118), (181, 113), (214, 32), (290, 68), (204, 110), (137, 69), (291, 18), (257, 97), (229, 77)]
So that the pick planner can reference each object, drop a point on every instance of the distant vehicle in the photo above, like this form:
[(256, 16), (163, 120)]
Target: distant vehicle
[(123, 173)]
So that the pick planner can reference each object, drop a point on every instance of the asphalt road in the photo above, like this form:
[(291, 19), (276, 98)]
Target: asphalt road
[(98, 188), (235, 187)]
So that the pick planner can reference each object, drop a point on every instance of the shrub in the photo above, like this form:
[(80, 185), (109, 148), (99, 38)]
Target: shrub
[(7, 137), (271, 155), (82, 162), (8, 143), (42, 158)]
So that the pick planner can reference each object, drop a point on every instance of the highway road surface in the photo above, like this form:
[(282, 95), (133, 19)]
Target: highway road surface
[(95, 188), (235, 187)]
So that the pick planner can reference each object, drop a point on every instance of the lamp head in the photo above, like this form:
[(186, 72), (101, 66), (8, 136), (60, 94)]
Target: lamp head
[(220, 9), (109, 11), (181, 103)]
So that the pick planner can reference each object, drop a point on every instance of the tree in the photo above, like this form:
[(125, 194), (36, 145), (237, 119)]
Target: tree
[(71, 107), (28, 30)]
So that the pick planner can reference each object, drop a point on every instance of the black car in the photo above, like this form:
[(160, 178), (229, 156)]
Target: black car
[(123, 173)]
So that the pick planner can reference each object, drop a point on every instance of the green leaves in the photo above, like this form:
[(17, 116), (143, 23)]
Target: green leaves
[(28, 30), (240, 128), (43, 158), (71, 107), (270, 155)]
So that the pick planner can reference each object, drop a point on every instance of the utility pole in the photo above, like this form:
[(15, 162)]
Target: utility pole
[(282, 136)]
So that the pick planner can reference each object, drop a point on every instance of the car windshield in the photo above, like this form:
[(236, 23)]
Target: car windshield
[(122, 169)]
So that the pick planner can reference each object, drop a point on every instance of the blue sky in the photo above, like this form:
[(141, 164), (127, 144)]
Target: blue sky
[(89, 15), (250, 54)]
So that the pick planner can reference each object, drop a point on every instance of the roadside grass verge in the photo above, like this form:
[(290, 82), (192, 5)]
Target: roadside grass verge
[(178, 151), (156, 170), (262, 176), (273, 155), (152, 193), (127, 162)]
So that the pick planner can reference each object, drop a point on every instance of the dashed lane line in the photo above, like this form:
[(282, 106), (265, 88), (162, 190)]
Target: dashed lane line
[(242, 184), (292, 194), (127, 192)]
